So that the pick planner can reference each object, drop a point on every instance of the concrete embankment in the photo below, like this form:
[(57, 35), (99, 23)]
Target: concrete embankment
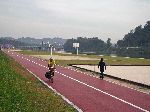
[(134, 74)]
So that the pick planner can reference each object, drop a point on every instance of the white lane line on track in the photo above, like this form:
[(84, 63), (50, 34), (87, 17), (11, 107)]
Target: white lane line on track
[(105, 93), (114, 82), (102, 92)]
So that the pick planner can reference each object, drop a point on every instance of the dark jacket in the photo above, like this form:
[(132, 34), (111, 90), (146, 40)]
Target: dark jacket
[(102, 65)]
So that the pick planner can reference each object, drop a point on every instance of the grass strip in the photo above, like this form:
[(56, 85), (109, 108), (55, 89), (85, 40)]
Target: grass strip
[(20, 91)]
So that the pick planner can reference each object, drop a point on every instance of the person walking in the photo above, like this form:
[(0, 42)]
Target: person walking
[(102, 65)]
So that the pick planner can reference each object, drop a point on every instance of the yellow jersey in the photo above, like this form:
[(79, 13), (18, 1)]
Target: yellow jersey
[(51, 63)]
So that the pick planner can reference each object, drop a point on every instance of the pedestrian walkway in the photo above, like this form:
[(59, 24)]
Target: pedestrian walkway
[(139, 74)]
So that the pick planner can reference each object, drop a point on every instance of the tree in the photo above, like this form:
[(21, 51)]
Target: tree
[(109, 42), (135, 42), (86, 45)]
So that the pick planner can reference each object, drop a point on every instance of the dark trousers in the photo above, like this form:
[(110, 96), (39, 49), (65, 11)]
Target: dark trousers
[(101, 74)]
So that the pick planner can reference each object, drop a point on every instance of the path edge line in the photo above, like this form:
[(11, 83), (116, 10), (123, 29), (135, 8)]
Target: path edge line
[(55, 91)]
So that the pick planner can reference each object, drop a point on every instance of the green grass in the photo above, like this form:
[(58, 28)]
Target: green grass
[(20, 91), (109, 60), (126, 61), (29, 52), (75, 62)]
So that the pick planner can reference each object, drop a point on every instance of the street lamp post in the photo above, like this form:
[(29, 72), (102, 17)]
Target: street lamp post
[(51, 48)]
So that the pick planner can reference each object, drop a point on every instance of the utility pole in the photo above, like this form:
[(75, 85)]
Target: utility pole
[(51, 49)]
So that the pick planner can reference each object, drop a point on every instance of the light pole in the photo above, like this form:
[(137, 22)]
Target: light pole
[(51, 48)]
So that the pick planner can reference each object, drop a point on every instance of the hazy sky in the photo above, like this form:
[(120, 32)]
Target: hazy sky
[(72, 18)]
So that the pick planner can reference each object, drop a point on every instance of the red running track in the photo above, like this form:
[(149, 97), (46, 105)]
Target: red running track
[(88, 93)]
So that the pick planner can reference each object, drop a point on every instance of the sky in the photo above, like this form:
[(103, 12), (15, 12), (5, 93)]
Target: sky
[(72, 18)]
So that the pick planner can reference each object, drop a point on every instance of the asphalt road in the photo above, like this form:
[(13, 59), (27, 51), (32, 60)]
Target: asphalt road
[(87, 93)]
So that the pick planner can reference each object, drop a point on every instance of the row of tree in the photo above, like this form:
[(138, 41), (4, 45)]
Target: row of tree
[(134, 44), (88, 45), (137, 37)]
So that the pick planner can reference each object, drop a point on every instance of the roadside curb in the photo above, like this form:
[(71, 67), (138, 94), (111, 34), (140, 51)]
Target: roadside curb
[(117, 78)]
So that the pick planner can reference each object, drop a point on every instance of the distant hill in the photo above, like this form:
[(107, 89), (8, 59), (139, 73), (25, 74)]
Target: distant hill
[(9, 42), (7, 38), (30, 40)]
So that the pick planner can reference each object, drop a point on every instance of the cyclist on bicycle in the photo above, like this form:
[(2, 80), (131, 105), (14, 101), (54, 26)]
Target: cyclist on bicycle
[(51, 66)]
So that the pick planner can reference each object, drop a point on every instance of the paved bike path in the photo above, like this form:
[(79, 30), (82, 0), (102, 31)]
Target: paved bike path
[(88, 93)]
